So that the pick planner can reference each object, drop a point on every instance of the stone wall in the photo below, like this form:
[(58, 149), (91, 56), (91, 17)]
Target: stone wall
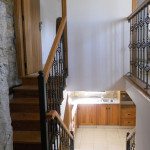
[(8, 71), (7, 48)]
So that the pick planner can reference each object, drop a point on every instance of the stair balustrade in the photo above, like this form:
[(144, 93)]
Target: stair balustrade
[(60, 137), (140, 44), (52, 81), (130, 142)]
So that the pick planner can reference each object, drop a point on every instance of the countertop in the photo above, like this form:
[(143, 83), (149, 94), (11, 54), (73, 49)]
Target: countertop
[(77, 101)]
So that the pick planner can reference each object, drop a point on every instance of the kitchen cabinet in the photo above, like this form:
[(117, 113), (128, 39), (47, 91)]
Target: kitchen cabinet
[(99, 114), (113, 114), (87, 114), (128, 115), (108, 114)]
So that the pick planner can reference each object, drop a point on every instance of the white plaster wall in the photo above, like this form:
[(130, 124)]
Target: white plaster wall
[(50, 11), (142, 117), (63, 105), (98, 38)]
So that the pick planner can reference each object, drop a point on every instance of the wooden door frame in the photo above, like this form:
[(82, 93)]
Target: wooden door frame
[(19, 36), (19, 41)]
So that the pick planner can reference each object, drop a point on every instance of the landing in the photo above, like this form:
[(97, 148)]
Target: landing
[(101, 138)]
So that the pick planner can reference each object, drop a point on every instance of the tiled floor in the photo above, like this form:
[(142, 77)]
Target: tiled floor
[(101, 138)]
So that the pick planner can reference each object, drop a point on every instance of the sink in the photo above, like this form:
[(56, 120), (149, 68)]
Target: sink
[(112, 100), (108, 100), (105, 100)]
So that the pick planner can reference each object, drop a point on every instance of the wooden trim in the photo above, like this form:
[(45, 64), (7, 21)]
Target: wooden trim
[(51, 56), (64, 13), (64, 8), (134, 5), (138, 85), (68, 115), (66, 47), (52, 115), (18, 23), (146, 2)]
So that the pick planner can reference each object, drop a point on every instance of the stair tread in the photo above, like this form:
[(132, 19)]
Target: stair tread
[(25, 116), (26, 87), (34, 75), (25, 101), (29, 101), (32, 137)]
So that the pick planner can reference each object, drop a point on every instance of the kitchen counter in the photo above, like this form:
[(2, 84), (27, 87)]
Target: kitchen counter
[(77, 101)]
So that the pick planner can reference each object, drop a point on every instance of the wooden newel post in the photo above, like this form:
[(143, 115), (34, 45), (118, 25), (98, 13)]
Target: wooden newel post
[(43, 110)]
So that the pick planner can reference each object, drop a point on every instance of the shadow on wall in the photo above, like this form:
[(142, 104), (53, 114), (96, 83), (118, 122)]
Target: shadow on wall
[(50, 11), (99, 55)]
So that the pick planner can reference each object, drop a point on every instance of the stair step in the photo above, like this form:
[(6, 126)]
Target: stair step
[(26, 87), (32, 137), (25, 121), (24, 105), (26, 125), (24, 146), (31, 80), (25, 116), (26, 91), (25, 101), (27, 140)]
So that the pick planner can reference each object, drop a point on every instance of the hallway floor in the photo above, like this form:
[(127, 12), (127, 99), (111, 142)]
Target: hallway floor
[(101, 138)]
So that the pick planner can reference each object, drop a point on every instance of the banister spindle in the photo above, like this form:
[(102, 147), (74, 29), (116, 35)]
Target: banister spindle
[(139, 44), (54, 134)]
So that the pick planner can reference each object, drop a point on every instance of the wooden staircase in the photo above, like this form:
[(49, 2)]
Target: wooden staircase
[(41, 128), (25, 115)]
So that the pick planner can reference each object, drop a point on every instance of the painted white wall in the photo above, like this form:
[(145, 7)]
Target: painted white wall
[(63, 105), (142, 117), (50, 11), (98, 38)]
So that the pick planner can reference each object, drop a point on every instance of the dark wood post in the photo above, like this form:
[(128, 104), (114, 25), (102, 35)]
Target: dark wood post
[(43, 111)]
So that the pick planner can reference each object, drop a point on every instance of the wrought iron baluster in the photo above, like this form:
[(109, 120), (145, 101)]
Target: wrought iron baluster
[(55, 136), (140, 45), (147, 68)]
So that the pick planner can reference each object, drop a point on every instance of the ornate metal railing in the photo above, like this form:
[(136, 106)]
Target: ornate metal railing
[(130, 143), (57, 76), (52, 81), (60, 138), (140, 43)]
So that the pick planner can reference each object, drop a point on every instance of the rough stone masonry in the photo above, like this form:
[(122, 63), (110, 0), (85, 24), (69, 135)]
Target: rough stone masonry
[(8, 71)]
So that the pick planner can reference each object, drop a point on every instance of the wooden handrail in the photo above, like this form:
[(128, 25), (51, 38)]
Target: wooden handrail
[(146, 2), (52, 115), (51, 55)]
